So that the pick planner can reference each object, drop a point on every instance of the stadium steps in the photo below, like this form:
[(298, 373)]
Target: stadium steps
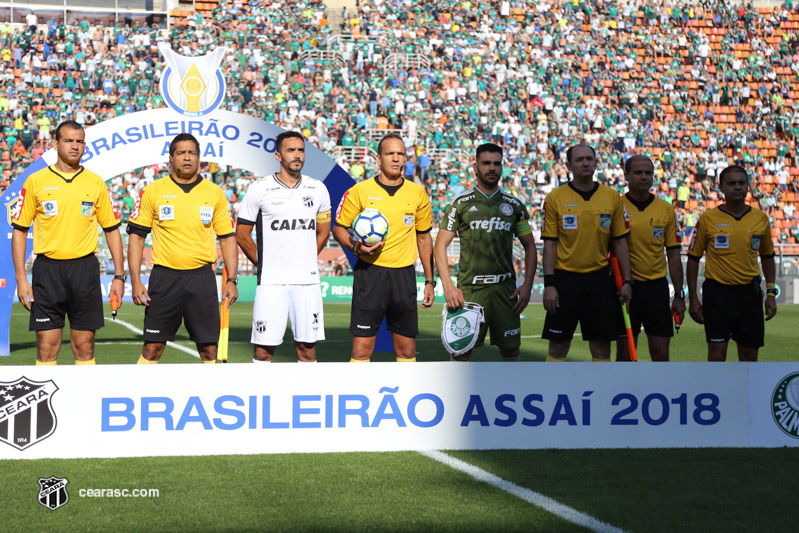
[(334, 9)]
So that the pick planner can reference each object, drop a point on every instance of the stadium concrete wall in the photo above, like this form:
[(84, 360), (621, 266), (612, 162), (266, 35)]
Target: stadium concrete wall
[(168, 410)]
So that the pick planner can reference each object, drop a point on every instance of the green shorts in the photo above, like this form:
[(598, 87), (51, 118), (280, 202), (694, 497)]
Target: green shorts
[(505, 325)]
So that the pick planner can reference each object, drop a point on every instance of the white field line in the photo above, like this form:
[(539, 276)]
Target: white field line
[(136, 330), (539, 500)]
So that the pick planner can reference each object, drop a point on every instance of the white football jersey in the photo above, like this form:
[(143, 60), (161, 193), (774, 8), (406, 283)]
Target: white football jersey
[(285, 222)]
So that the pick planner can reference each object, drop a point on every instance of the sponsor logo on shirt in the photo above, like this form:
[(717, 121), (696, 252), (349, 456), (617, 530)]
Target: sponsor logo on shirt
[(293, 224), (693, 237), (569, 221), (113, 205), (493, 223), (341, 204), (14, 207), (721, 242), (137, 206), (490, 279)]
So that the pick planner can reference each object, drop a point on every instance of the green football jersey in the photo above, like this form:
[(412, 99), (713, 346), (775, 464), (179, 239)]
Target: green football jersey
[(486, 226)]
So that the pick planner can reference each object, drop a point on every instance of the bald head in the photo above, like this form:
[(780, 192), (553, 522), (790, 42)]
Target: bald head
[(637, 160)]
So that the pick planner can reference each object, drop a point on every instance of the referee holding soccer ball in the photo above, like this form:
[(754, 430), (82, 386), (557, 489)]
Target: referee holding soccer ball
[(384, 283)]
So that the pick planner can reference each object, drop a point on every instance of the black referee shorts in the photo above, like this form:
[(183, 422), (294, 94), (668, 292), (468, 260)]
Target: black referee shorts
[(734, 311), (177, 296), (649, 308), (587, 298), (66, 287), (379, 292)]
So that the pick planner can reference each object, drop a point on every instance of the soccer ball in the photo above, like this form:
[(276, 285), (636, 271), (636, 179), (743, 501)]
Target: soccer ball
[(370, 227)]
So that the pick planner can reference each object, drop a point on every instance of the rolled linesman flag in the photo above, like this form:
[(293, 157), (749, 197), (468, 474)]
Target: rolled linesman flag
[(614, 263), (224, 323), (460, 327)]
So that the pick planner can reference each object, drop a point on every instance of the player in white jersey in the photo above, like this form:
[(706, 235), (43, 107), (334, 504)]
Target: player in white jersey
[(291, 215)]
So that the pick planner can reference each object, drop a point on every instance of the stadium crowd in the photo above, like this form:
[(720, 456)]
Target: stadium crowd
[(694, 85)]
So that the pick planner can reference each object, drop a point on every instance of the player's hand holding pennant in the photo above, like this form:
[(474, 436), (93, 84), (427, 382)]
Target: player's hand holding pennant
[(460, 327)]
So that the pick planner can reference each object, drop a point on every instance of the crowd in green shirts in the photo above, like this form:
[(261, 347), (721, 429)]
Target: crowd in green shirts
[(534, 76)]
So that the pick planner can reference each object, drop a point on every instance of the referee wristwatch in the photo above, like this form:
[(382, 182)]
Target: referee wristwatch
[(234, 281), (680, 294), (121, 277), (430, 282)]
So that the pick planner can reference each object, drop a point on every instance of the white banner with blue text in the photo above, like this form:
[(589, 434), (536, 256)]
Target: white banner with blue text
[(194, 409)]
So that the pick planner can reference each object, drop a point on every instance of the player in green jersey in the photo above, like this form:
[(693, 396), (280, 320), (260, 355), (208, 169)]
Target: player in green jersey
[(487, 220)]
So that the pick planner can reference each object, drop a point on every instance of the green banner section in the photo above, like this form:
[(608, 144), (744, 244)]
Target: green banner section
[(334, 289)]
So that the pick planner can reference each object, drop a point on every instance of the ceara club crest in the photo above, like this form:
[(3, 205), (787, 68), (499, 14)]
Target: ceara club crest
[(26, 412)]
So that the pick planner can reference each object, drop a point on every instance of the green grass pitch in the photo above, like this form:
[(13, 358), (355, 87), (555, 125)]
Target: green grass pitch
[(636, 490), (116, 343)]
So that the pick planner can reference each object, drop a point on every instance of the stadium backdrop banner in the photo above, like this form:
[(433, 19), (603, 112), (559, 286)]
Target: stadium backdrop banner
[(133, 141), (147, 410)]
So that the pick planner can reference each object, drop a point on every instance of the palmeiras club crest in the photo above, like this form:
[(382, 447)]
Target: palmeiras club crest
[(26, 412), (53, 492)]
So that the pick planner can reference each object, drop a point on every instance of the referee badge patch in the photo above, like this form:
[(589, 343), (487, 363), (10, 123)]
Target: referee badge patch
[(50, 208), (166, 212), (86, 208), (206, 214), (604, 221), (569, 221), (408, 220), (721, 242), (755, 242), (657, 232)]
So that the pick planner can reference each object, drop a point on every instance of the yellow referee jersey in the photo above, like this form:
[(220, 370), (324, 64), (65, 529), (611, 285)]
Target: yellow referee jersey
[(653, 228), (64, 210), (732, 244), (583, 223), (183, 219), (407, 210)]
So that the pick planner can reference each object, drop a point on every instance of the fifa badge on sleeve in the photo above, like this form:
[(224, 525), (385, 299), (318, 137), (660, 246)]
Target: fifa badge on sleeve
[(460, 327)]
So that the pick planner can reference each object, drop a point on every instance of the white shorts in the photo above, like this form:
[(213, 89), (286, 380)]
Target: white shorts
[(274, 304)]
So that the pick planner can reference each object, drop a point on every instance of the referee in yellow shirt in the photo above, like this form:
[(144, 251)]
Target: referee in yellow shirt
[(583, 220), (653, 228), (184, 212), (732, 235), (384, 283), (64, 202)]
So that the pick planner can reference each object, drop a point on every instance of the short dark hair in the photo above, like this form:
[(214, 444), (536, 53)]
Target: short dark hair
[(731, 170), (180, 137), (629, 162), (571, 149), (69, 124), (287, 135), (389, 136), (491, 148)]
